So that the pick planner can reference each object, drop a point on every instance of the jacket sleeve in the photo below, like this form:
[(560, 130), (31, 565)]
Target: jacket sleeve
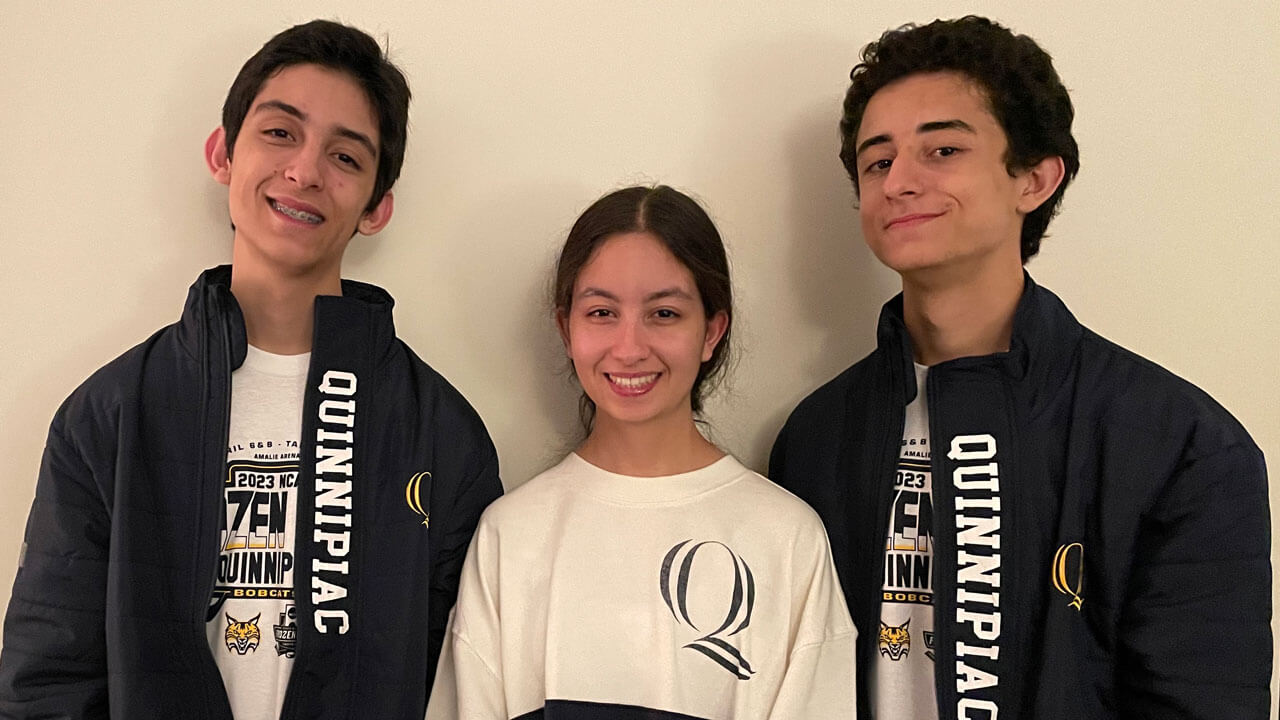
[(1195, 638), (54, 659), (468, 682), (479, 487)]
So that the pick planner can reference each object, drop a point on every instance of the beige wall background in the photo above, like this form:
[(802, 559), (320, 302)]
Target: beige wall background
[(526, 112)]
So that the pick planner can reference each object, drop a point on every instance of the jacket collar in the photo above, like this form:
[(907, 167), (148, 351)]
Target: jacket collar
[(1041, 350), (210, 306)]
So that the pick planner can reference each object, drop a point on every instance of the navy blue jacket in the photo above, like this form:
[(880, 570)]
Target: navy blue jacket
[(1101, 527), (107, 616)]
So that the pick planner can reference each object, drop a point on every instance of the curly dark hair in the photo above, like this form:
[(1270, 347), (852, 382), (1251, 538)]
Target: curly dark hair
[(337, 47), (686, 230), (1017, 77)]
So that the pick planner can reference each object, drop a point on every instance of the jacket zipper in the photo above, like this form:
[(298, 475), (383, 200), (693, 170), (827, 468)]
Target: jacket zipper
[(288, 706), (936, 482), (215, 492), (890, 453)]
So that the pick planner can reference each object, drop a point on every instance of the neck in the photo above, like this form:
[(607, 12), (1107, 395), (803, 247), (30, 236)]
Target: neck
[(279, 313), (650, 449), (965, 315)]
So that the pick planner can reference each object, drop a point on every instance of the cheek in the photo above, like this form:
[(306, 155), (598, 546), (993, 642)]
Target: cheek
[(341, 183), (868, 213), (688, 348), (584, 345)]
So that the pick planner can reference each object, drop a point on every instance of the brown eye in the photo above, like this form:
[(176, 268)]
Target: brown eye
[(880, 165)]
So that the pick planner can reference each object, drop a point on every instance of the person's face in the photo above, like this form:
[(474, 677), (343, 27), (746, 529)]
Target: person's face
[(636, 331), (301, 173), (935, 189)]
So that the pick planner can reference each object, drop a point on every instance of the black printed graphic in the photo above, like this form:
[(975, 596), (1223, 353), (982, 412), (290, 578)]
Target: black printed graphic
[(908, 556), (740, 600), (254, 560), (286, 632)]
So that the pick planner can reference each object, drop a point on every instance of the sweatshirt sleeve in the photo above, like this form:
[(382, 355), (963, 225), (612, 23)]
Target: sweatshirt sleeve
[(468, 683), (1195, 636), (466, 687), (820, 681), (54, 659)]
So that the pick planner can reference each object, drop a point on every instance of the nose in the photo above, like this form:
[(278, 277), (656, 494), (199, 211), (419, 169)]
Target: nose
[(304, 167), (903, 177), (630, 343)]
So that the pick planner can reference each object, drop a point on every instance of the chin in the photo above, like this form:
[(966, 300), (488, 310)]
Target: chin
[(907, 262)]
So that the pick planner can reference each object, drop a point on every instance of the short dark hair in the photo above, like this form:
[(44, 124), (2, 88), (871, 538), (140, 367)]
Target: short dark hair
[(345, 49), (1017, 77), (686, 230)]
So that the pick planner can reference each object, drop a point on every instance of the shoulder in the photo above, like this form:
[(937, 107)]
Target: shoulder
[(545, 493), (836, 391), (121, 381), (808, 445), (1128, 393), (830, 401), (435, 394), (756, 495)]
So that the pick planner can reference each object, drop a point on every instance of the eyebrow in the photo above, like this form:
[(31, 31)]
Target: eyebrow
[(343, 131), (658, 295), (931, 126)]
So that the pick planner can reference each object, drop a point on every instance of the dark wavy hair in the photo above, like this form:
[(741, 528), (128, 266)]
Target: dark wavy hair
[(337, 47), (1017, 77), (686, 230)]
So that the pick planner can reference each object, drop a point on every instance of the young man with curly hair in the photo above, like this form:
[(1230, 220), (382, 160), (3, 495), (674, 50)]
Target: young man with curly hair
[(262, 510), (1028, 520)]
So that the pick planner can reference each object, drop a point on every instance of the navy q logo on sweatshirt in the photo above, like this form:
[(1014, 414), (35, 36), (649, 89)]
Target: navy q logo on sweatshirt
[(741, 600)]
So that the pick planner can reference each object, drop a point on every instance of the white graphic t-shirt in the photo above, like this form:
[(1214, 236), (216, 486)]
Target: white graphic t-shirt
[(251, 622), (903, 685)]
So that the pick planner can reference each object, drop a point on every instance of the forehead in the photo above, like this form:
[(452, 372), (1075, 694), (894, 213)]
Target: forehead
[(328, 98), (638, 260), (904, 105)]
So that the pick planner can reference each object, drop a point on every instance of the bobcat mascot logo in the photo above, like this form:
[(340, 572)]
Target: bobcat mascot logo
[(243, 636), (895, 641)]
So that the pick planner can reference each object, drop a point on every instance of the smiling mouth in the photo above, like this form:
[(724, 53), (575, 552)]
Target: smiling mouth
[(296, 214), (632, 385), (907, 220)]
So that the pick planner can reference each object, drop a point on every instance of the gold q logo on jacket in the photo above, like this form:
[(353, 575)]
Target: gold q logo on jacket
[(711, 581), (1069, 557), (413, 496)]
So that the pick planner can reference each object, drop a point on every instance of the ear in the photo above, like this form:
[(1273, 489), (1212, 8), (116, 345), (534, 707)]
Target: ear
[(562, 324), (716, 327), (216, 157), (1040, 181), (377, 218)]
